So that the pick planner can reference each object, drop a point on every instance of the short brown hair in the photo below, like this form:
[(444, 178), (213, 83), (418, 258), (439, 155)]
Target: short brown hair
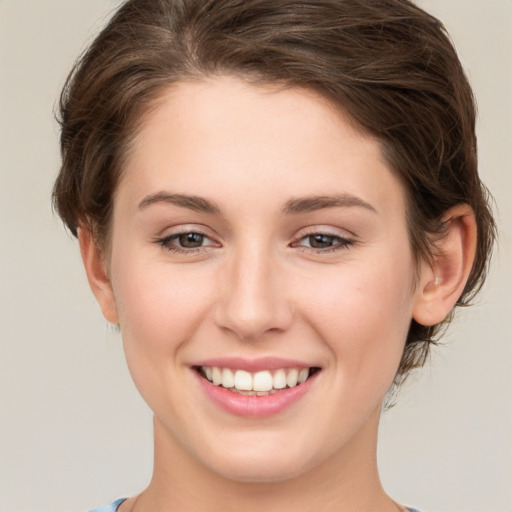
[(387, 63)]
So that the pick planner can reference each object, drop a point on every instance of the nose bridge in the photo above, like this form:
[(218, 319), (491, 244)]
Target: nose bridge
[(252, 301)]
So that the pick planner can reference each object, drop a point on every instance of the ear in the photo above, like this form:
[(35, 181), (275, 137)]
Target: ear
[(443, 281), (97, 275)]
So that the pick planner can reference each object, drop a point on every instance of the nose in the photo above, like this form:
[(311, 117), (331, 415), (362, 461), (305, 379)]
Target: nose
[(253, 300)]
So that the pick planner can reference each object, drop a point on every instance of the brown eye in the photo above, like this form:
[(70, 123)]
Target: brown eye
[(187, 243), (190, 240), (321, 241)]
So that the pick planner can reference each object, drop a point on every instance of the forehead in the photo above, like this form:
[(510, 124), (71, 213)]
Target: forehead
[(226, 137)]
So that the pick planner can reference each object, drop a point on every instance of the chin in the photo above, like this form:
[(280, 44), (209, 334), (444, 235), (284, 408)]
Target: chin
[(276, 462), (260, 471)]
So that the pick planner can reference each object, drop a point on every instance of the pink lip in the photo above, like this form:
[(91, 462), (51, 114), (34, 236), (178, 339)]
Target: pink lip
[(253, 365), (254, 406)]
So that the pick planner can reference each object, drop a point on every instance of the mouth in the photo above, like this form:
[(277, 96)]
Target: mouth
[(260, 383)]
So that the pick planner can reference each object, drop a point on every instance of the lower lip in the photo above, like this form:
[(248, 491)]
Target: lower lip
[(255, 406)]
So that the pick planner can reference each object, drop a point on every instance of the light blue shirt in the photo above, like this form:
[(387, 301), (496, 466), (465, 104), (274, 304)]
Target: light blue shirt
[(110, 508)]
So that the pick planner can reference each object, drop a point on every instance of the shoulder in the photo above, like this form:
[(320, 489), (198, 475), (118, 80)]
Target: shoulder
[(109, 508)]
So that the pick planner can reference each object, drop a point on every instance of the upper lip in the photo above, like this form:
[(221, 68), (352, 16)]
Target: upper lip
[(253, 365)]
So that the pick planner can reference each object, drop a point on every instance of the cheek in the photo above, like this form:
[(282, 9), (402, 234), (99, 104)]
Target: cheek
[(159, 307), (154, 294), (364, 316)]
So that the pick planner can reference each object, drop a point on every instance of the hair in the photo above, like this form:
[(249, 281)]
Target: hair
[(386, 63)]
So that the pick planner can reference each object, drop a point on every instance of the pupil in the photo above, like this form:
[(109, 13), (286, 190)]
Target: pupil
[(320, 241), (191, 240)]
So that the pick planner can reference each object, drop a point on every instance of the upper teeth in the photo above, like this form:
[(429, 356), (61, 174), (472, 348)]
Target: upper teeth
[(259, 382)]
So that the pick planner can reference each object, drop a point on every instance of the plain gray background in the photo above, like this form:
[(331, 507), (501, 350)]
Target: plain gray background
[(74, 433)]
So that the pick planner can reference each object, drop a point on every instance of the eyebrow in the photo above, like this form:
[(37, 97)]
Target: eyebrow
[(195, 203), (292, 207), (313, 203)]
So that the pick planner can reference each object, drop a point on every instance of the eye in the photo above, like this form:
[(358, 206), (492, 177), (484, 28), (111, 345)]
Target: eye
[(190, 240), (323, 242), (186, 242), (320, 241)]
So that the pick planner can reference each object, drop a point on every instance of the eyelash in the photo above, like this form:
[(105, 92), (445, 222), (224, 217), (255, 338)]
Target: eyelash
[(339, 243), (166, 243)]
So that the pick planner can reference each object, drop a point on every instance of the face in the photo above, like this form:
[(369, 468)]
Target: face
[(262, 276)]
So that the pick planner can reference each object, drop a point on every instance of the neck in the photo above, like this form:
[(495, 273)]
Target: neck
[(347, 481)]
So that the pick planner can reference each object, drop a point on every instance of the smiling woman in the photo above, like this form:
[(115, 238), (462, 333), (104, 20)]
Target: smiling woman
[(278, 203)]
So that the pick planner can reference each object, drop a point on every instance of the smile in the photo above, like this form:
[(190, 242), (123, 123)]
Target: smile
[(261, 383)]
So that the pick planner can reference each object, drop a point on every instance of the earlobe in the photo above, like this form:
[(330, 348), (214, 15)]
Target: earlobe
[(97, 275), (442, 282)]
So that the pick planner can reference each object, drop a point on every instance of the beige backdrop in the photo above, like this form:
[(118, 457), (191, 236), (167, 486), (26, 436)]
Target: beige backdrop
[(74, 433)]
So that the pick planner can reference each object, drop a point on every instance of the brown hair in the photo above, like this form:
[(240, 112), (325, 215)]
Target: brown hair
[(387, 63)]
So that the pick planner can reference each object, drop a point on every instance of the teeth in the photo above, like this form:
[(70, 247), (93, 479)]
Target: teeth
[(292, 377), (256, 384), (243, 380), (228, 379), (303, 375), (216, 376), (263, 381), (279, 379)]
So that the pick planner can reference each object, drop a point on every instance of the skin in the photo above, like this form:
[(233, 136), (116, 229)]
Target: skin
[(257, 288)]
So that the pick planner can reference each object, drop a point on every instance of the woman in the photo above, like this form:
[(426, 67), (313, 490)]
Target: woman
[(278, 203)]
